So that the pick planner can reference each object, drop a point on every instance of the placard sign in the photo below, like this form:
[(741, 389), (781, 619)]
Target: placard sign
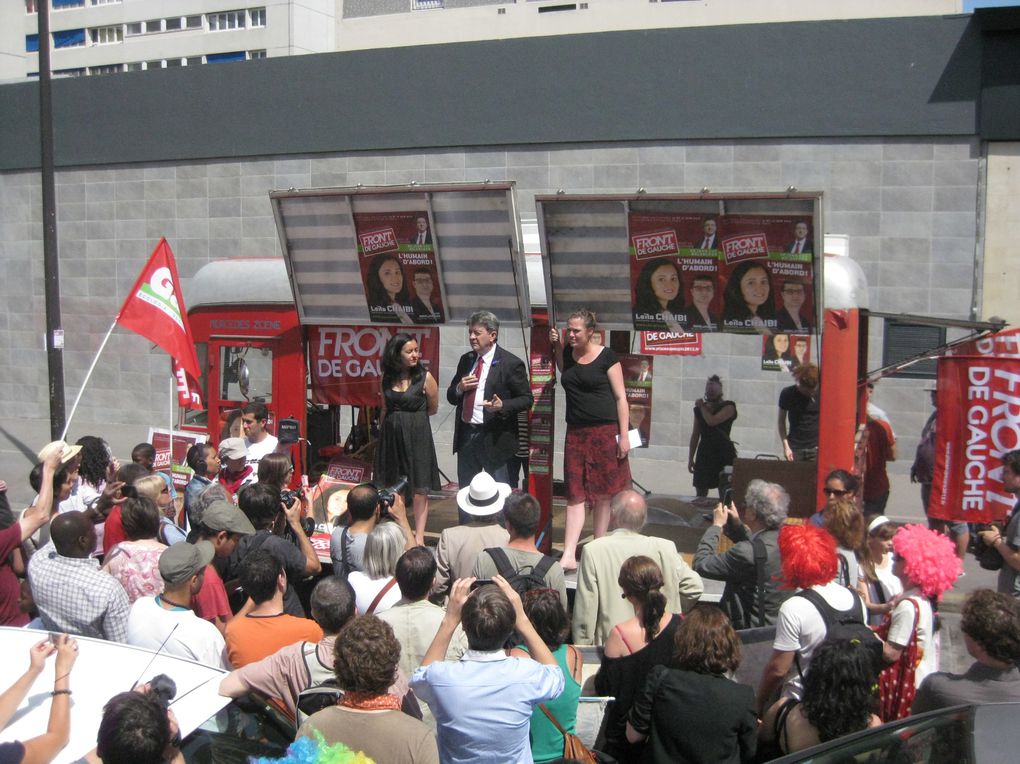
[(345, 362)]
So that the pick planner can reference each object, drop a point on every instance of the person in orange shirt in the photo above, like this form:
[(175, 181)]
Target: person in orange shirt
[(266, 628)]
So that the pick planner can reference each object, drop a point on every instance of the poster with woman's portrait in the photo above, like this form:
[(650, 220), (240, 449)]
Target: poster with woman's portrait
[(785, 352), (720, 272), (757, 261), (660, 247), (399, 268), (637, 385)]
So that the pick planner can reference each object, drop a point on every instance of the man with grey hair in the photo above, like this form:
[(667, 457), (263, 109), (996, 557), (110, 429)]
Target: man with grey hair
[(598, 604), (489, 388), (751, 566)]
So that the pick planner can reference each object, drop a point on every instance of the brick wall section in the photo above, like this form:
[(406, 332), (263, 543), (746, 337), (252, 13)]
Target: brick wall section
[(909, 207)]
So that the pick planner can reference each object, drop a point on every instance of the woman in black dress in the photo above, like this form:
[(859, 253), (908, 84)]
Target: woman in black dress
[(410, 396), (711, 448)]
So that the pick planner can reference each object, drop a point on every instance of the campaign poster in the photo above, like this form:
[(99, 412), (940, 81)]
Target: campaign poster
[(785, 352), (670, 343), (760, 254), (543, 388), (978, 404), (399, 268), (637, 386), (345, 362), (674, 270), (176, 465)]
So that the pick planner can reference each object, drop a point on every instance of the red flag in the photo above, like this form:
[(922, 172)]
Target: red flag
[(189, 394), (154, 308)]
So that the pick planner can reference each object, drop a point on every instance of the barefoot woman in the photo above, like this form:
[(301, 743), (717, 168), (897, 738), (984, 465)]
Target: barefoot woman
[(595, 464)]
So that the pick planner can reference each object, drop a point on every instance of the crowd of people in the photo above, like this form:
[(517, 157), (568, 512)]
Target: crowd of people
[(410, 655), (473, 651)]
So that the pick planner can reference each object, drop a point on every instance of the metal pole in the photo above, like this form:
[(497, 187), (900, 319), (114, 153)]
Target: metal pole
[(51, 269)]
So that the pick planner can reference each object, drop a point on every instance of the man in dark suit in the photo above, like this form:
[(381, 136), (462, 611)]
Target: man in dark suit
[(424, 234), (711, 238), (789, 318), (489, 388), (801, 242), (423, 310)]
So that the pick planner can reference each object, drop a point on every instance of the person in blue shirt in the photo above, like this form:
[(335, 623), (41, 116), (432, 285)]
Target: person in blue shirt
[(483, 702)]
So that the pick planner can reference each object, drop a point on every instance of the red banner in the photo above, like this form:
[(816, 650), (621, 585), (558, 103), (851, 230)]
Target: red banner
[(670, 343), (154, 308), (979, 421), (346, 361)]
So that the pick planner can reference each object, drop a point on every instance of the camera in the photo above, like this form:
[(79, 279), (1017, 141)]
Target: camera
[(389, 495), (163, 689), (288, 496)]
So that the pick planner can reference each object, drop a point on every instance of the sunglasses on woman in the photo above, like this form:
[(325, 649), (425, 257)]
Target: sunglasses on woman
[(835, 491)]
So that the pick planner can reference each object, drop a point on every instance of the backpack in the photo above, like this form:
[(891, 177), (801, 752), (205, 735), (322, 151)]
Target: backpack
[(322, 690), (844, 624), (521, 583)]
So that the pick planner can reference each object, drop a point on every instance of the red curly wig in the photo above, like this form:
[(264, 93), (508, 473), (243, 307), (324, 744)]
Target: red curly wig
[(808, 556), (929, 559)]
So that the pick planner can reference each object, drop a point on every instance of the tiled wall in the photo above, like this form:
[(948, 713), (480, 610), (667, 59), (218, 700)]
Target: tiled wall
[(909, 207)]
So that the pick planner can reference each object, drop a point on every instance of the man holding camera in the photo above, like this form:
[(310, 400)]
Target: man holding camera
[(365, 509), (262, 505)]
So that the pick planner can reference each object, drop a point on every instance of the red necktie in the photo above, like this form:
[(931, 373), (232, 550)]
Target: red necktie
[(468, 406)]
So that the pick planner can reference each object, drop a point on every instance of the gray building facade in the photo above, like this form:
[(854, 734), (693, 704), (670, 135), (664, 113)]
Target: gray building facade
[(881, 116)]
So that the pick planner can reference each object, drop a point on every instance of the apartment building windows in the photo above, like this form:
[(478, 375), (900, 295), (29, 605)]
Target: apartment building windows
[(258, 17), (106, 69), (61, 4), (219, 22), (103, 2), (107, 35), (69, 38), (256, 54)]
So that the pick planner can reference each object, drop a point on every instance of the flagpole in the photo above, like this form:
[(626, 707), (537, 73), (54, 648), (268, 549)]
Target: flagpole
[(173, 392), (88, 376)]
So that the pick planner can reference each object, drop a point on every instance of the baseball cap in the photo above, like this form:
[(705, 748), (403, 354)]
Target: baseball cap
[(183, 560), (224, 516), (233, 448), (68, 452)]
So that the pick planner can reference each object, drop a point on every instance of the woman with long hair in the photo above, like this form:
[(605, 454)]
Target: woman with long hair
[(405, 447), (747, 299), (155, 488), (135, 562), (658, 293), (839, 484), (633, 648), (546, 613), (388, 296), (838, 699), (845, 523), (377, 583), (595, 464), (878, 586), (689, 710)]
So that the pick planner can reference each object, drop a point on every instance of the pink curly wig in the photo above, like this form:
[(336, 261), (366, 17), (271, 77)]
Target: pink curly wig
[(929, 560), (808, 556)]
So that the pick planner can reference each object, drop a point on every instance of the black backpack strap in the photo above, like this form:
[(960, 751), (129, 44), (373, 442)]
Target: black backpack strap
[(543, 566), (760, 556), (503, 564), (844, 570)]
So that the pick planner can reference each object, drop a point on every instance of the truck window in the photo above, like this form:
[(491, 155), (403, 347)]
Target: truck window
[(246, 373)]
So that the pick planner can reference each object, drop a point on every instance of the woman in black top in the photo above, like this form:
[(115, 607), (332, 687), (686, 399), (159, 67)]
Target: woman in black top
[(633, 649), (595, 465), (691, 711)]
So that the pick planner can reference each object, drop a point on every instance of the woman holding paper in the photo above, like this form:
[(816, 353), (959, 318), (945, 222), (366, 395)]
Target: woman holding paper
[(595, 465)]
